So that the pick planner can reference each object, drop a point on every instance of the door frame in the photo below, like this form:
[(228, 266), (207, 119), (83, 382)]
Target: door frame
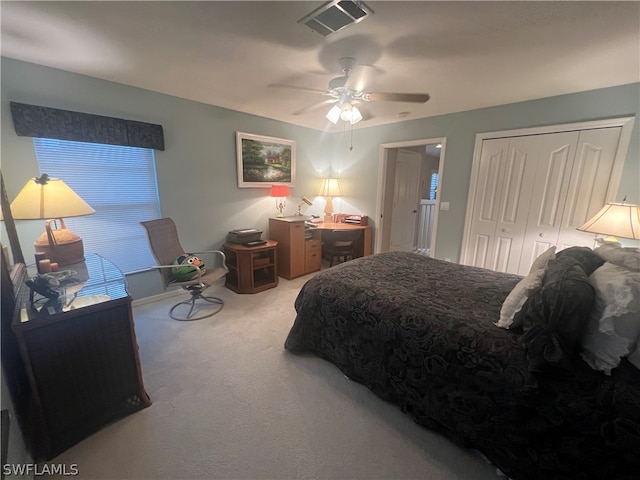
[(626, 123), (382, 185)]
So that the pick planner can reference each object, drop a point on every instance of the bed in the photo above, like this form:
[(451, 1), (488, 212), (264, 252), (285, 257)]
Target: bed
[(421, 333)]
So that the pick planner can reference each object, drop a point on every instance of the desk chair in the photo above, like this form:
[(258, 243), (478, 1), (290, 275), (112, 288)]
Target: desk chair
[(165, 247), (340, 243)]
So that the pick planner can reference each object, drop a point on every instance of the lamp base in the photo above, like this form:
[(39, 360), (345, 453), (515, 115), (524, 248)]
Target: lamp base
[(66, 249)]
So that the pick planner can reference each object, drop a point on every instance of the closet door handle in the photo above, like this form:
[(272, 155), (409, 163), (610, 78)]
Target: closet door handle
[(541, 234)]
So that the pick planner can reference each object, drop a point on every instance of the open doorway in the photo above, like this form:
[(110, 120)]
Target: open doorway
[(409, 178)]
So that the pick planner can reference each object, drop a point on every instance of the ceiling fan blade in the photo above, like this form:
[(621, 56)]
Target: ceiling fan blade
[(313, 107), (396, 97), (361, 77), (294, 87)]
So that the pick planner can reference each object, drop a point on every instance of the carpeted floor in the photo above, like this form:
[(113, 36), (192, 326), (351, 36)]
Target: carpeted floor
[(230, 403)]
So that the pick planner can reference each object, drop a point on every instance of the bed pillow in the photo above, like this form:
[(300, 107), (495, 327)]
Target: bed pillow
[(634, 357), (523, 289), (613, 329), (556, 316), (618, 255), (543, 259), (589, 259)]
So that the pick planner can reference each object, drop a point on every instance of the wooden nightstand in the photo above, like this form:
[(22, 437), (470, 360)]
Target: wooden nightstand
[(251, 269)]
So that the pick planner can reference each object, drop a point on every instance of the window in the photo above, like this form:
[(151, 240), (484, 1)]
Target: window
[(119, 183), (433, 190)]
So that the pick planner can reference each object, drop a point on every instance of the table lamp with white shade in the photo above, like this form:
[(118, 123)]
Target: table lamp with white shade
[(616, 220), (330, 188), (52, 199)]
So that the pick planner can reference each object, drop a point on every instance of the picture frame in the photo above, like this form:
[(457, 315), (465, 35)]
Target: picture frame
[(264, 161)]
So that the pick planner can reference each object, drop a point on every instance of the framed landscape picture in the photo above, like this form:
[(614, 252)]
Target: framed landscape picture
[(263, 161)]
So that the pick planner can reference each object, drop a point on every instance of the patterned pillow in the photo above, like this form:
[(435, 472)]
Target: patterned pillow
[(613, 329), (625, 257), (589, 259)]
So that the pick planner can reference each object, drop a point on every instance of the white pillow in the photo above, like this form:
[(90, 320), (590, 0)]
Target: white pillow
[(543, 259), (516, 298), (634, 357), (625, 257), (613, 330)]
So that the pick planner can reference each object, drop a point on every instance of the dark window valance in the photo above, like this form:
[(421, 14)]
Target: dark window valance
[(45, 122)]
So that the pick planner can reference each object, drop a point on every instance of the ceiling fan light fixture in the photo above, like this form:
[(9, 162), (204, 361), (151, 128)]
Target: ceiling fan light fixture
[(350, 114), (334, 114)]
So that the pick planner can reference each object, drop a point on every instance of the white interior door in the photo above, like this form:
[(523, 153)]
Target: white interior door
[(589, 187), (488, 196), (405, 200), (554, 156), (512, 171)]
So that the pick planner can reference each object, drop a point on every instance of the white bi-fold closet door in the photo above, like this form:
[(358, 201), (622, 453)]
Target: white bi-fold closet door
[(530, 192)]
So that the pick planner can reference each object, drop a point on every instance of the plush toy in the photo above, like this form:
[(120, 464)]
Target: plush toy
[(186, 267)]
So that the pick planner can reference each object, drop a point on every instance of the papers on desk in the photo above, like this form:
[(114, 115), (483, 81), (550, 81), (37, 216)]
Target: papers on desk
[(352, 219)]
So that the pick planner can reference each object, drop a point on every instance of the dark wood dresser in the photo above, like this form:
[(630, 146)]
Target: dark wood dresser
[(81, 357)]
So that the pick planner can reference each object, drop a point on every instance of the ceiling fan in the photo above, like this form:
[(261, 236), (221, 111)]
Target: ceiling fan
[(348, 90)]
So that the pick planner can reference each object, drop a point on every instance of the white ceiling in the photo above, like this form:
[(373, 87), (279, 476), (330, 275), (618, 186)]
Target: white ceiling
[(466, 55)]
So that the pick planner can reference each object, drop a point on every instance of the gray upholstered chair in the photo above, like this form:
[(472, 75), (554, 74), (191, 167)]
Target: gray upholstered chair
[(165, 247)]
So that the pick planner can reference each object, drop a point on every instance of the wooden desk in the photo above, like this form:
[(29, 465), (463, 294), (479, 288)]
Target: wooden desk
[(300, 247), (362, 250)]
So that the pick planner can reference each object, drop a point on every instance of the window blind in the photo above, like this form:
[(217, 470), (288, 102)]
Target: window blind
[(119, 183)]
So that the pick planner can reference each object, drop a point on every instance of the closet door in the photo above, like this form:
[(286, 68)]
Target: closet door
[(589, 187), (530, 192), (535, 162), (488, 196), (554, 157), (574, 188), (513, 174)]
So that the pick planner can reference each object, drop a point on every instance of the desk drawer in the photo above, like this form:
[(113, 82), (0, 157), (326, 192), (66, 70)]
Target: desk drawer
[(313, 255), (312, 245)]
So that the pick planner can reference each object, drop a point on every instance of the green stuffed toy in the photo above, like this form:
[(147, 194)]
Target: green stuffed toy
[(186, 268)]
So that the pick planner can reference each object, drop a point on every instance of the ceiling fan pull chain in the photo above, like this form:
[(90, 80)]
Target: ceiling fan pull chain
[(351, 140)]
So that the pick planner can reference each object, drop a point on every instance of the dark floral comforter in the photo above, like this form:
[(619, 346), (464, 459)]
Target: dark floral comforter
[(419, 332)]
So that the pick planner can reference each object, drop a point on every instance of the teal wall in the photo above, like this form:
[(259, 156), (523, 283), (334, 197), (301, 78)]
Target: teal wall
[(197, 172)]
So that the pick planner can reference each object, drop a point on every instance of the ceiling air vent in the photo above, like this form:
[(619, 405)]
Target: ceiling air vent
[(335, 15)]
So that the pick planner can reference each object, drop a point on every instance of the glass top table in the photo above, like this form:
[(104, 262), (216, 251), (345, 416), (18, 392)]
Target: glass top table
[(94, 281)]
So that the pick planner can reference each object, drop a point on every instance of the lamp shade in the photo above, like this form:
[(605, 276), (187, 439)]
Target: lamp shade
[(280, 191), (346, 112), (330, 188), (334, 114), (616, 219), (350, 114), (51, 198)]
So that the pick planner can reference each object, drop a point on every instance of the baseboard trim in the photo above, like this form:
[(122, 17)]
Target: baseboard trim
[(155, 298)]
